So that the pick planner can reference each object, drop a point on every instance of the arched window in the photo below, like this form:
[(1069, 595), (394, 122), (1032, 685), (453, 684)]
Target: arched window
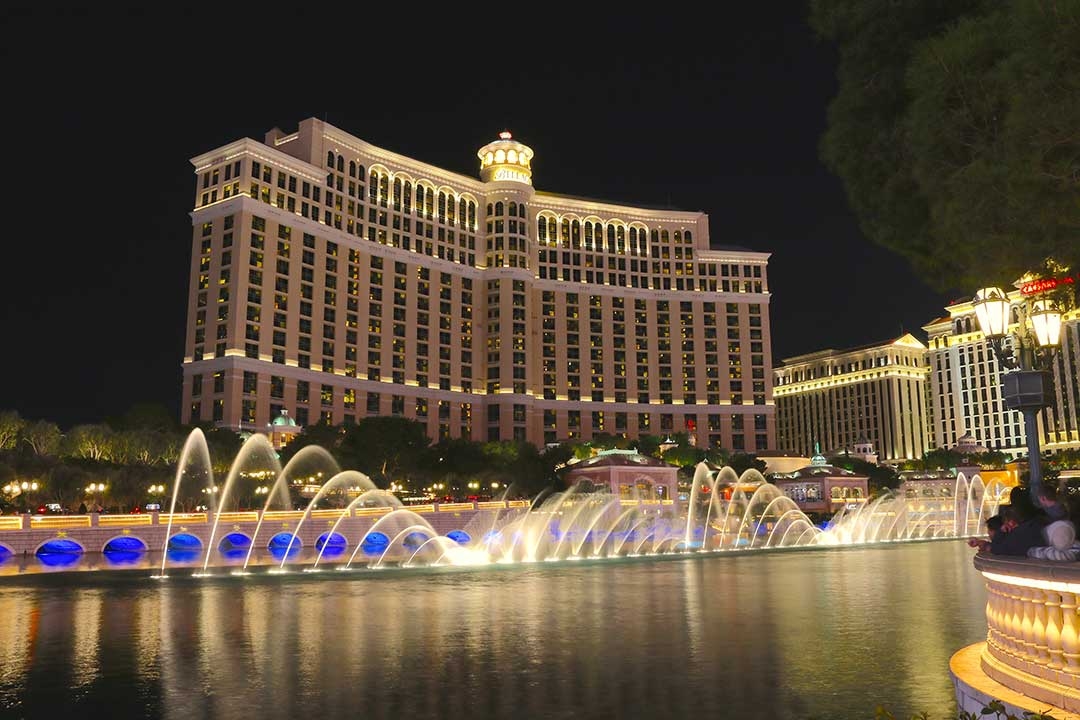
[(611, 238), (397, 193), (620, 236), (566, 232), (499, 208), (513, 208), (689, 237), (451, 212), (575, 234), (541, 229), (959, 326), (420, 198), (678, 236), (521, 210), (442, 206), (384, 189), (588, 234), (330, 158), (472, 215), (407, 196), (352, 168), (360, 172), (490, 209), (341, 163), (463, 209), (664, 237)]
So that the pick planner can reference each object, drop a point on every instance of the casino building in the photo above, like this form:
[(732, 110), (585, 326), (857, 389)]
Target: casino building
[(965, 386), (334, 280), (871, 397)]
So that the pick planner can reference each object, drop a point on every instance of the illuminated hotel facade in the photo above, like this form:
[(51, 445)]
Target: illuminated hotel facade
[(875, 393), (965, 387), (335, 280)]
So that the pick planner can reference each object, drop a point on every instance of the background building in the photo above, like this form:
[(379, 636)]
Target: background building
[(965, 387), (336, 280), (873, 397), (821, 488)]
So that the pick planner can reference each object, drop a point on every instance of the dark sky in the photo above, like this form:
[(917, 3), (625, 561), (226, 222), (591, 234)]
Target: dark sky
[(102, 114)]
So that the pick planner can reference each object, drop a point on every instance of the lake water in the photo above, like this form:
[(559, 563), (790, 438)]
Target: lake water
[(822, 633)]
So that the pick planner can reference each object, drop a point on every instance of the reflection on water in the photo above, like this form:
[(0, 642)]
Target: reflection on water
[(788, 635)]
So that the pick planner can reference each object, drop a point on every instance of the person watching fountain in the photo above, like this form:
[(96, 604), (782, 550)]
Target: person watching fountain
[(1060, 542), (993, 526), (1049, 499), (1021, 530)]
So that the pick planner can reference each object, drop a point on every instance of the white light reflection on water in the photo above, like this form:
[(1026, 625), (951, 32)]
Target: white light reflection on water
[(786, 635)]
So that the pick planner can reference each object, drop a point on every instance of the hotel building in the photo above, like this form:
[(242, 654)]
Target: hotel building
[(333, 280), (965, 387), (874, 394)]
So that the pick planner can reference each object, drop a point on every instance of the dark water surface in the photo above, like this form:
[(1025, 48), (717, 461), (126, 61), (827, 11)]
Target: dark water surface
[(791, 634)]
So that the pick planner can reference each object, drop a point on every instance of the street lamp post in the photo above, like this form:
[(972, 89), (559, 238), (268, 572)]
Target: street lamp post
[(1026, 361), (94, 490)]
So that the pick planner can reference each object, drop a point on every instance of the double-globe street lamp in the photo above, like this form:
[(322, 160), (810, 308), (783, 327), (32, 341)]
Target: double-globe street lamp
[(1024, 345)]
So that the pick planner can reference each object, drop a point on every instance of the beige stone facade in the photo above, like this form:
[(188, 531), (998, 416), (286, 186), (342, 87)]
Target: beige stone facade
[(873, 395), (337, 280), (965, 387)]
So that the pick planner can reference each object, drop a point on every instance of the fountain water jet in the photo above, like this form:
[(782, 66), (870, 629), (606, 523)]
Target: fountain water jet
[(256, 448), (194, 445), (312, 454)]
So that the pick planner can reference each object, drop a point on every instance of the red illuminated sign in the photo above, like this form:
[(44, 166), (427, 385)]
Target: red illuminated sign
[(1045, 285)]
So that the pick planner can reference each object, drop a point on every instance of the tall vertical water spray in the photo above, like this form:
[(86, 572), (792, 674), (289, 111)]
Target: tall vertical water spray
[(256, 454), (194, 463), (311, 460)]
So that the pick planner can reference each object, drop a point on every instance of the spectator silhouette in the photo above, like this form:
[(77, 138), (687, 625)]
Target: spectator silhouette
[(1060, 542), (1025, 527)]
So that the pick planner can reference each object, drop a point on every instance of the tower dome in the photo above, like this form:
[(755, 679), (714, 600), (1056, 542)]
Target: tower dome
[(506, 160)]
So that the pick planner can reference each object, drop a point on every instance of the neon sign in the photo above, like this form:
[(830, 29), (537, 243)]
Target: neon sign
[(1036, 287)]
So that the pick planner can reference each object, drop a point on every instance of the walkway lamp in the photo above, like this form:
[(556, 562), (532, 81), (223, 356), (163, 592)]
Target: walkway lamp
[(1024, 345)]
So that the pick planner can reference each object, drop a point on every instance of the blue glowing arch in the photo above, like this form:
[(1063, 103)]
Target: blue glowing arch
[(279, 545), (59, 546), (59, 559), (5, 552), (183, 547), (331, 545), (234, 541), (184, 542), (459, 536), (415, 539), (282, 540), (234, 546), (123, 557), (125, 543), (375, 543)]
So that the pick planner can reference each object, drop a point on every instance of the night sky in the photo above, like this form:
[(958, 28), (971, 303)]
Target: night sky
[(102, 115)]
